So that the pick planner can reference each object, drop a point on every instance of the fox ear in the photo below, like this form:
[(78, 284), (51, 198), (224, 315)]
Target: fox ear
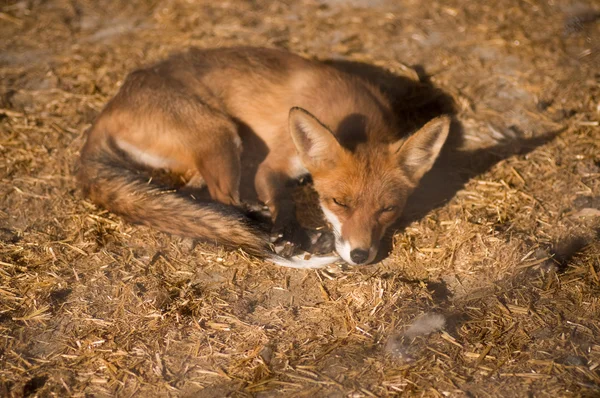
[(315, 143), (417, 155)]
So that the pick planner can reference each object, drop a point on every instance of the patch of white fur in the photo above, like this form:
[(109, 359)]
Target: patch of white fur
[(342, 247), (333, 220), (399, 345), (425, 324), (143, 157), (296, 167), (237, 141), (196, 182), (300, 262)]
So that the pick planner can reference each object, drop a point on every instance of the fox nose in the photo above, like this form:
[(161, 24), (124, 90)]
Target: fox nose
[(359, 256)]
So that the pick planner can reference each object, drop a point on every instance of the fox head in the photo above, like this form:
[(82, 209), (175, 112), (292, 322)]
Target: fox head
[(363, 191)]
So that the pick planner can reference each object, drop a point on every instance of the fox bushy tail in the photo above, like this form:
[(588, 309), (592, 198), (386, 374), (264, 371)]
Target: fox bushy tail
[(112, 181), (119, 185)]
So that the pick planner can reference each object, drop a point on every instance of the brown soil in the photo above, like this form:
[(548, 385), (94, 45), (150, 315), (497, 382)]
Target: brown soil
[(500, 243)]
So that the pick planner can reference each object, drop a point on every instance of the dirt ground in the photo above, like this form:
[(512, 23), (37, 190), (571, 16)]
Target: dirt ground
[(496, 264)]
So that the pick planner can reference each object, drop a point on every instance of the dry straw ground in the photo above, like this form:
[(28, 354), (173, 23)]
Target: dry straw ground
[(501, 243)]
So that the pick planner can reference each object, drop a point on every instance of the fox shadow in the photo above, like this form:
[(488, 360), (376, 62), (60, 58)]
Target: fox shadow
[(414, 103)]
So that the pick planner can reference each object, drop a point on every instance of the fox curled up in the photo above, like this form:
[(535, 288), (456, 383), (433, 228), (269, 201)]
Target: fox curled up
[(234, 119)]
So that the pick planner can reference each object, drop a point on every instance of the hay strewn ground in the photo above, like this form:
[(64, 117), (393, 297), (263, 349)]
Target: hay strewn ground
[(502, 241)]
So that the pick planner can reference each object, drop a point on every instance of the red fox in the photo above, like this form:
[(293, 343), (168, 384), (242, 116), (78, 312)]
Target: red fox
[(220, 118)]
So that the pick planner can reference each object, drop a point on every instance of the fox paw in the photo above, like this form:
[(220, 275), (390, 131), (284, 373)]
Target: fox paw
[(288, 243), (286, 249), (290, 238), (322, 242)]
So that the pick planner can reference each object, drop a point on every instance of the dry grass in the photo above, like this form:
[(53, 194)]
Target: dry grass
[(501, 242)]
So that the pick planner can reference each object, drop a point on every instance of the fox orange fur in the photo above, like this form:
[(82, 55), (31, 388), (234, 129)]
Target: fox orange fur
[(220, 118)]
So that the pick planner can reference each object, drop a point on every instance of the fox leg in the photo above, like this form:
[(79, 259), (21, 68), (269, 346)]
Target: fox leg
[(166, 123), (272, 189), (219, 166), (213, 148)]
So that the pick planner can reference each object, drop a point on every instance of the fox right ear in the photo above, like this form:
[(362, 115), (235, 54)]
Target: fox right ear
[(315, 143), (418, 154)]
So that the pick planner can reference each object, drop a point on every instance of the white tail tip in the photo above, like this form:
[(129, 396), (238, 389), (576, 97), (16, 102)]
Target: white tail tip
[(301, 263)]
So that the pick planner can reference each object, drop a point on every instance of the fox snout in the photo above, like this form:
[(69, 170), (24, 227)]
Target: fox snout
[(357, 253), (356, 243)]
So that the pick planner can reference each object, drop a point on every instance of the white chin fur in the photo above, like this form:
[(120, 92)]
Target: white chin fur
[(333, 220), (343, 249)]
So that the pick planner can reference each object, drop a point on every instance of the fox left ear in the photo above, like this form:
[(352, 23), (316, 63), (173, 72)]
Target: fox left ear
[(417, 155), (315, 143)]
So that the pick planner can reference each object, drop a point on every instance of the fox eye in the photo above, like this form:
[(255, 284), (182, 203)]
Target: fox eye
[(340, 202), (388, 209)]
